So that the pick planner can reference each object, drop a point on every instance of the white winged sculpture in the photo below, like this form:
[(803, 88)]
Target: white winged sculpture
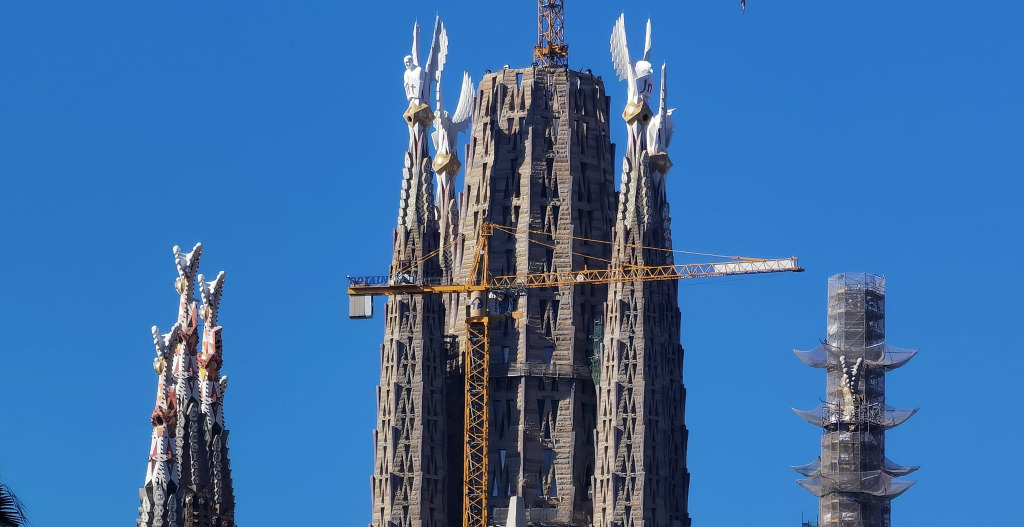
[(447, 127), (659, 132), (638, 73), (417, 76)]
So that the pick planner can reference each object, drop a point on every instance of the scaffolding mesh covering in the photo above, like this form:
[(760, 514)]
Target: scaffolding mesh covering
[(879, 355), (893, 469), (852, 478), (810, 469), (876, 483), (888, 466), (832, 414)]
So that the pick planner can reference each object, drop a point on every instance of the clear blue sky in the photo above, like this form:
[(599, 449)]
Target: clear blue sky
[(880, 136)]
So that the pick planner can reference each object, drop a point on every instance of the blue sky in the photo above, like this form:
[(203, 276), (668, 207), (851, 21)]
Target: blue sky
[(873, 136)]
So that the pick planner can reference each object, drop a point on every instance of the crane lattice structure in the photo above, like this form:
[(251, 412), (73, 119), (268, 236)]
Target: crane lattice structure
[(551, 48), (482, 289)]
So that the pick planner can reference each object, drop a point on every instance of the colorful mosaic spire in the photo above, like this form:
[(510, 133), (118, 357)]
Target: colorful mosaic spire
[(188, 479)]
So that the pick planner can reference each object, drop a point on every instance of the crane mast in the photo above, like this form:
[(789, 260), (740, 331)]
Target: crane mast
[(551, 49)]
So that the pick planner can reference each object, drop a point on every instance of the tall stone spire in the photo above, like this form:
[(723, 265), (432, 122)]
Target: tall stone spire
[(188, 482), (409, 460), (640, 475), (159, 495), (211, 396)]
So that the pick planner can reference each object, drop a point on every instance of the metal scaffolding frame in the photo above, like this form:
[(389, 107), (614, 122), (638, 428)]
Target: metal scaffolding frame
[(853, 479)]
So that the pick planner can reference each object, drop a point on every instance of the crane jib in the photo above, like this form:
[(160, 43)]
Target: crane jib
[(411, 284)]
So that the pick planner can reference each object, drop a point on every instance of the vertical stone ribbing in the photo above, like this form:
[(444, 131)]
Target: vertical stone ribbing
[(409, 462), (539, 162), (641, 477)]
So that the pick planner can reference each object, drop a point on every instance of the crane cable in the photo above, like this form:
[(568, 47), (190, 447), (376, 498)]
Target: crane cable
[(633, 246), (510, 231), (551, 246), (433, 253)]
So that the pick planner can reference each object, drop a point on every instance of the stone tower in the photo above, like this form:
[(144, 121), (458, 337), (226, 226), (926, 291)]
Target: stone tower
[(539, 168), (641, 477), (409, 461), (853, 478), (539, 163), (188, 477)]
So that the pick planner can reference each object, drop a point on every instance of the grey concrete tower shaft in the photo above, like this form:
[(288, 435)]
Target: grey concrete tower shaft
[(539, 161)]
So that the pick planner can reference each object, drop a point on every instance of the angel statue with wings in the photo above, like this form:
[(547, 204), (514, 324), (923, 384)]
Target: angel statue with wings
[(639, 73), (646, 161), (417, 203), (447, 128), (418, 77)]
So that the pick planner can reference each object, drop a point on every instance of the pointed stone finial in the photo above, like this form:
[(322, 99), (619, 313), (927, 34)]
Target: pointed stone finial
[(163, 341), (210, 293), (187, 264)]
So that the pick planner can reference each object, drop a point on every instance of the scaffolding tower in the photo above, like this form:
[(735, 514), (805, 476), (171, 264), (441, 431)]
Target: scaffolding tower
[(853, 479)]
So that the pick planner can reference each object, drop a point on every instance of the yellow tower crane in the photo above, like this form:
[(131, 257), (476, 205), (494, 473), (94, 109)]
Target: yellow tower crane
[(480, 286), (551, 49)]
